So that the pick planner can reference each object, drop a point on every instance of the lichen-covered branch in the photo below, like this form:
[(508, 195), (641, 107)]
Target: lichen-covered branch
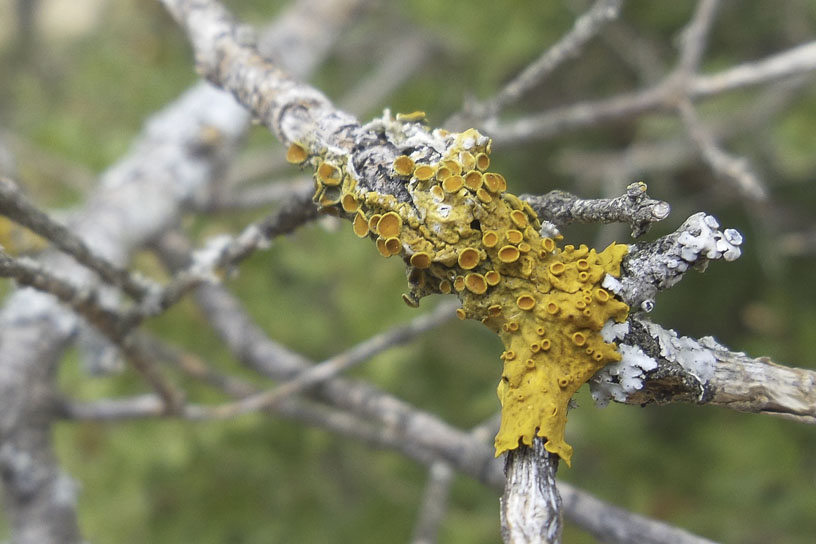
[(429, 197), (650, 267), (418, 435), (659, 366)]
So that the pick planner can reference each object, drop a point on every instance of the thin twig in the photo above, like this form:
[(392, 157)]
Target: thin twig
[(694, 37), (634, 207), (401, 62), (736, 169), (14, 205), (662, 96), (335, 365), (86, 302), (263, 195), (225, 252), (434, 504), (585, 28), (437, 491)]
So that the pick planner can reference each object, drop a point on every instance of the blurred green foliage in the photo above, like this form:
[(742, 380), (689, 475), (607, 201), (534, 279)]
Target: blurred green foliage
[(728, 476)]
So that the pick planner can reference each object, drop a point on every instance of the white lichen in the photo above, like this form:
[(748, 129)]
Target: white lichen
[(612, 284), (701, 236), (695, 358), (618, 380)]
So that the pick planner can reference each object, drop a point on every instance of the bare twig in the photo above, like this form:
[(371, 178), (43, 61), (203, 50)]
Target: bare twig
[(531, 506), (634, 207), (437, 490), (695, 36), (266, 194), (86, 302), (14, 205), (641, 54), (736, 169), (610, 524), (434, 504), (672, 153), (335, 365), (224, 252), (662, 96), (400, 63), (585, 28)]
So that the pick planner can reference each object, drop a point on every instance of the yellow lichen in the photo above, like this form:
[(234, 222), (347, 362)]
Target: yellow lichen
[(412, 117), (389, 225), (453, 183), (484, 196), (349, 203), (490, 239), (329, 174), (459, 283), (514, 236), (492, 278), (476, 283), (526, 302), (424, 172), (420, 260), (360, 225), (468, 258), (403, 165), (296, 154), (482, 161), (393, 245), (473, 180), (508, 254), (483, 244)]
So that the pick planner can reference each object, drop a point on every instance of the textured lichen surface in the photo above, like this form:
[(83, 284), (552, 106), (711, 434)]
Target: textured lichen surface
[(460, 231)]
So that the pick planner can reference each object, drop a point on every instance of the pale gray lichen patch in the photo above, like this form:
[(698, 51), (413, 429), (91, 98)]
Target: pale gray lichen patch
[(651, 267), (618, 380), (695, 358)]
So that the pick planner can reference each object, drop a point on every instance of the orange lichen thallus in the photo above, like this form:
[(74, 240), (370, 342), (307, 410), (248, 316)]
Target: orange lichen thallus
[(462, 233)]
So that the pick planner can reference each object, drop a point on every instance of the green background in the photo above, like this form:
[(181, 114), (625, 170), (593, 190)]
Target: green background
[(77, 99)]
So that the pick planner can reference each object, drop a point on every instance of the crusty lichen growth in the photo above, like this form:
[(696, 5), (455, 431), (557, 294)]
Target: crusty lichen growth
[(462, 233)]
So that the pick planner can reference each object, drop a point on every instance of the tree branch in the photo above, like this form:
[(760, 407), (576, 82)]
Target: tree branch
[(661, 97), (585, 28), (169, 166), (659, 367), (15, 206), (634, 207), (531, 506), (318, 373)]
